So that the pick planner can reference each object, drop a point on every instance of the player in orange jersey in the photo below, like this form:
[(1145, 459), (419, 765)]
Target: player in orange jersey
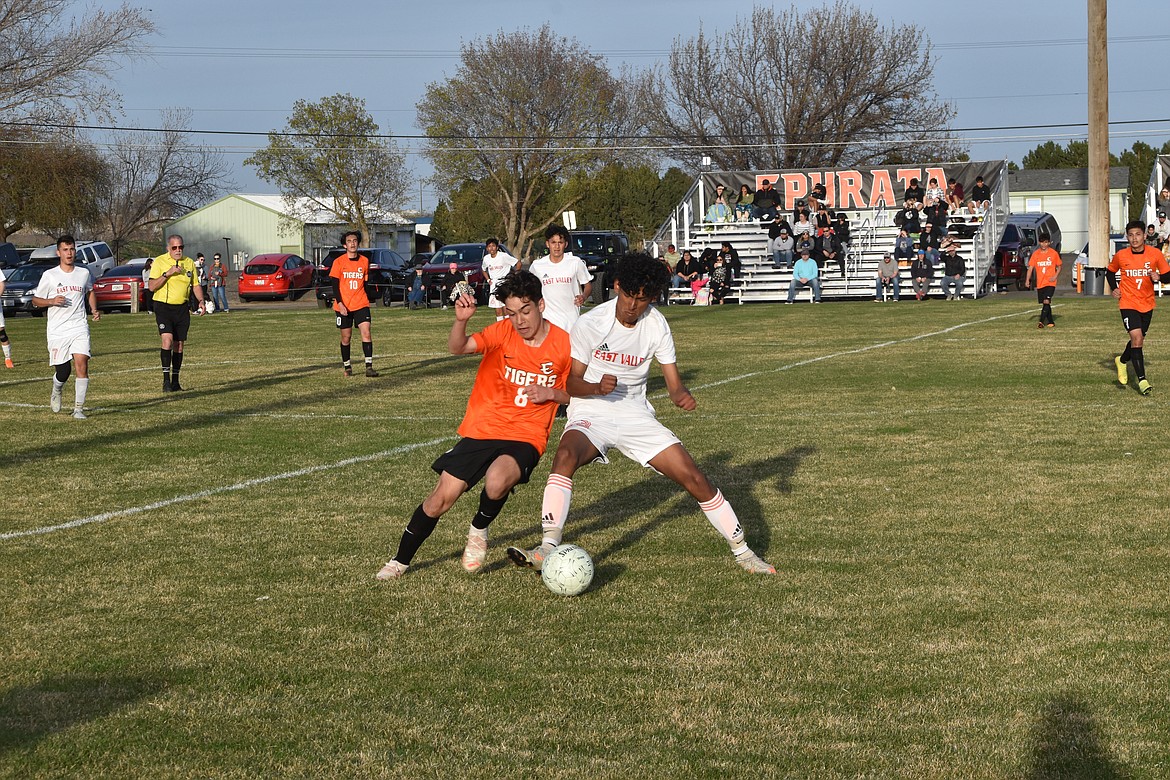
[(349, 273), (1045, 265), (1132, 273), (505, 429)]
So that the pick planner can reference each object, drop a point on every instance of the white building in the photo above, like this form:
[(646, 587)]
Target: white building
[(1064, 193)]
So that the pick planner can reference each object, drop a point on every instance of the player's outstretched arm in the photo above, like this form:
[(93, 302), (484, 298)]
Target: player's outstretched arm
[(679, 394), (579, 388), (458, 342)]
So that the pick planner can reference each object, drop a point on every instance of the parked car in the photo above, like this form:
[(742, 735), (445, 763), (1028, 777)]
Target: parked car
[(468, 259), (1117, 242), (94, 255), (275, 276), (19, 285), (1020, 233), (9, 258), (112, 290), (388, 279), (600, 250), (420, 258)]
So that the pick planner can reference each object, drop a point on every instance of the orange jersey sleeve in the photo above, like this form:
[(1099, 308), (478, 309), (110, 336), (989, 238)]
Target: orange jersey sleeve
[(352, 275), (497, 408), (1133, 277), (1045, 264)]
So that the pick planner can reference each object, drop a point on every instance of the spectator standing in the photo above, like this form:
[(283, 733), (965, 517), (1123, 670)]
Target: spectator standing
[(671, 256), (1044, 264), (447, 283), (1139, 267), (887, 278), (496, 265), (172, 281), (567, 282), (4, 343), (217, 281), (805, 274), (766, 201), (349, 274), (200, 279), (841, 227), (64, 291), (954, 273), (921, 274), (720, 280)]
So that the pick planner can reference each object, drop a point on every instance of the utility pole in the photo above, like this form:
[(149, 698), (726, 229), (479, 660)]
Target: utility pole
[(1098, 135)]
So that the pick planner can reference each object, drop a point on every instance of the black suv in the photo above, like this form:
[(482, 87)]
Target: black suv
[(599, 249), (389, 276)]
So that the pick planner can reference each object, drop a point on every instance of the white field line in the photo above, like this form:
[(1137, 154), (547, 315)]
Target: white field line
[(242, 415), (410, 447), (250, 483)]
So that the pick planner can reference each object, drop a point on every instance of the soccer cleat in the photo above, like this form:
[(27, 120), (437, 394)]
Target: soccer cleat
[(1144, 387), (393, 570), (475, 553), (754, 564), (176, 387), (371, 372), (533, 559), (1050, 325), (166, 385), (347, 371), (1122, 371), (1040, 325), (79, 415), (8, 363), (55, 399)]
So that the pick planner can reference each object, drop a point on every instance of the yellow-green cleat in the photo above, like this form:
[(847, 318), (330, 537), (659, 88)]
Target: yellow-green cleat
[(1144, 387), (1122, 371)]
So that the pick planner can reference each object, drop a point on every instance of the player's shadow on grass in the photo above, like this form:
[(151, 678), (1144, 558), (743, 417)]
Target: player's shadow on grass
[(29, 714), (1067, 744)]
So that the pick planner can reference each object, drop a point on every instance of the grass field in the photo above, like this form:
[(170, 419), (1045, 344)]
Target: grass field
[(969, 517)]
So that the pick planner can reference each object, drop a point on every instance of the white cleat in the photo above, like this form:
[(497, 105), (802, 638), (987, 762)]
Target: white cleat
[(475, 553), (393, 570), (55, 400), (754, 564), (79, 415)]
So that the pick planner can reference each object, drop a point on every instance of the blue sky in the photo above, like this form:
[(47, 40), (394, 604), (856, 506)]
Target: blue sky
[(240, 65)]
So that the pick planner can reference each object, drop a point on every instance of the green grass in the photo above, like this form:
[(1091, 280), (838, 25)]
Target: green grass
[(971, 529)]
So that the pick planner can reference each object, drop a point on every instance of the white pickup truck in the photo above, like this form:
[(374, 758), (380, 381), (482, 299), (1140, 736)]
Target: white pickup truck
[(94, 255)]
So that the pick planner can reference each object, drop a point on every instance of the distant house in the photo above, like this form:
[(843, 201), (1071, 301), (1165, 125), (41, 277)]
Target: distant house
[(241, 226), (1064, 193)]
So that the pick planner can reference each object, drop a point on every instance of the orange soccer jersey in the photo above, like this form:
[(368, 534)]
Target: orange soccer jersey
[(497, 409), (1045, 264), (352, 275), (1133, 276)]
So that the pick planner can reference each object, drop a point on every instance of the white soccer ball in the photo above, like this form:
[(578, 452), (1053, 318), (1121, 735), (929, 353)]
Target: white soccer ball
[(567, 570)]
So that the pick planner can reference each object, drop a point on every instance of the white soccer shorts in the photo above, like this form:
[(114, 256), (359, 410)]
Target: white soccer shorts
[(640, 438), (63, 348)]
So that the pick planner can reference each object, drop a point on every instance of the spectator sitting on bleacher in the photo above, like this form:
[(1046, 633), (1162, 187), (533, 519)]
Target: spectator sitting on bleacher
[(980, 197), (934, 192), (830, 251), (1152, 237), (744, 210), (805, 274), (914, 194), (801, 211), (781, 248), (910, 219), (818, 192), (734, 266), (719, 211), (936, 213), (766, 201), (887, 277), (954, 273), (822, 219), (841, 226), (955, 195), (903, 246), (1162, 228), (686, 270), (720, 281), (921, 274), (802, 226), (671, 255), (930, 236), (804, 241)]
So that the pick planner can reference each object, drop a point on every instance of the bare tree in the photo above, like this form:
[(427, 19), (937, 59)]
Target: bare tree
[(330, 158), (523, 112), (796, 88), (151, 177), (51, 59)]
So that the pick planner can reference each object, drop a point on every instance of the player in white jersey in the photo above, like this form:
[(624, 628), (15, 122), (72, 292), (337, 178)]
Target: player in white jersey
[(612, 346), (496, 265), (64, 291), (4, 333), (567, 282)]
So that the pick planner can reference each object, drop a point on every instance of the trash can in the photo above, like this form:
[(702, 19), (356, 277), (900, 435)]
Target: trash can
[(1094, 282)]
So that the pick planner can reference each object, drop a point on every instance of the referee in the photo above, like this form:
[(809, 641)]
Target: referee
[(172, 281)]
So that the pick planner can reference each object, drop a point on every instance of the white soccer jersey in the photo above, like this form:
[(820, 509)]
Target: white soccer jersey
[(608, 347), (562, 283), (69, 320), (499, 266)]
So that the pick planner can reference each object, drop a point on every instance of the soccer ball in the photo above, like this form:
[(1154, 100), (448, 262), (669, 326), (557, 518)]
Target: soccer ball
[(567, 570)]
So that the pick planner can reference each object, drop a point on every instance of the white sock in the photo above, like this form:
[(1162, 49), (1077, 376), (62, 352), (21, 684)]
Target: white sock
[(57, 385), (80, 386), (722, 516), (7, 351), (554, 509)]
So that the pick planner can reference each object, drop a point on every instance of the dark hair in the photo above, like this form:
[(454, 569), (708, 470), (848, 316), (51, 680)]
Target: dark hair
[(639, 274), (1043, 236), (1135, 223), (65, 238), (556, 230), (491, 241), (520, 284), (349, 233)]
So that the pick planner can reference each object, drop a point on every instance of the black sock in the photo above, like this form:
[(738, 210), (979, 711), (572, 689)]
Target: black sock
[(164, 355), (368, 351), (489, 509), (1127, 353), (1139, 363), (345, 355), (176, 364), (417, 530), (1046, 313)]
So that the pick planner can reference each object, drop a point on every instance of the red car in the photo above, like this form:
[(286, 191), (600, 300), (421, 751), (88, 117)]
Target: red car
[(112, 289), (275, 276)]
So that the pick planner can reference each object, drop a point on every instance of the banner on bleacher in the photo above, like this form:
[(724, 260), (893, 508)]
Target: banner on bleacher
[(859, 187)]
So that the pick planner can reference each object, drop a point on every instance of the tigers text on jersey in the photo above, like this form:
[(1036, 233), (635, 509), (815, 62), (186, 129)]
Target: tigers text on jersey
[(499, 407), (1045, 264), (606, 346), (67, 320), (351, 276), (562, 283), (1133, 276)]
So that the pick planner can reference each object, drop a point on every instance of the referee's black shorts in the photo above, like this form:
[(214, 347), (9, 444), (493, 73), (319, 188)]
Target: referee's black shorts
[(173, 318)]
